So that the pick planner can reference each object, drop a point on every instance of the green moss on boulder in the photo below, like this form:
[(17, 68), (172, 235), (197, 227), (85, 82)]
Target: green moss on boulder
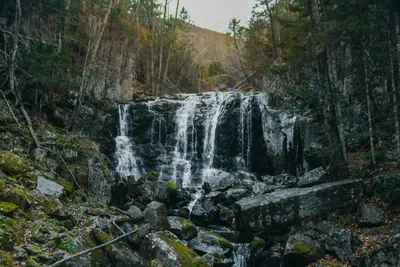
[(11, 233), (12, 164), (7, 208), (18, 196), (168, 249), (5, 259), (257, 243), (172, 185)]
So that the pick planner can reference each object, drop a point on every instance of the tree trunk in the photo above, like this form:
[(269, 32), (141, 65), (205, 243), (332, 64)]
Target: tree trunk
[(396, 51), (369, 108), (161, 55), (89, 62), (171, 45), (271, 18)]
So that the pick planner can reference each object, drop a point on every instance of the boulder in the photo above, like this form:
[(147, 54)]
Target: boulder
[(213, 247), (155, 214), (370, 216), (18, 196), (227, 216), (275, 212), (387, 256), (205, 209), (182, 228), (12, 164), (221, 181), (281, 181), (10, 233), (135, 213), (387, 186), (341, 243), (233, 195), (170, 251), (48, 188), (302, 250), (313, 177), (137, 238)]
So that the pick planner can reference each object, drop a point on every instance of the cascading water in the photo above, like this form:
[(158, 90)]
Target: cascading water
[(127, 163), (240, 255), (184, 124), (217, 103), (189, 138)]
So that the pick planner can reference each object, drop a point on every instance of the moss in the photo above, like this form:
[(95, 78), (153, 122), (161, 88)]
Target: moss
[(257, 243), (10, 233), (172, 185), (188, 228), (31, 263), (7, 208), (17, 196), (100, 237), (157, 263), (5, 259), (224, 243), (68, 188), (186, 256), (12, 163), (151, 176), (300, 247)]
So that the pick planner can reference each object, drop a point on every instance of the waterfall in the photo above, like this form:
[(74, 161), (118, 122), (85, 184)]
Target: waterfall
[(245, 127), (184, 123), (218, 104), (127, 162), (240, 255), (190, 138)]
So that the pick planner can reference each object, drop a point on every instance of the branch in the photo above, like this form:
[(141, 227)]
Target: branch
[(91, 249), (8, 105)]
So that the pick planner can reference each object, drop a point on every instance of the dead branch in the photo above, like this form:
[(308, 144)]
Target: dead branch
[(8, 105), (92, 249)]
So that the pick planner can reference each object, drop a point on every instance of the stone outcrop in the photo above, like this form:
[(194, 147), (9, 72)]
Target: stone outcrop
[(274, 212)]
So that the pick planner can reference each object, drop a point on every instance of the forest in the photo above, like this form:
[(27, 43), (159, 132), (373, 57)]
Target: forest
[(130, 136)]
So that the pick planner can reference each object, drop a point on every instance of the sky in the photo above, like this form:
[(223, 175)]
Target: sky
[(216, 14)]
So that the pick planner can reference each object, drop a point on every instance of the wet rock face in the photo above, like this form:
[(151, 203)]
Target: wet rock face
[(274, 212), (187, 134)]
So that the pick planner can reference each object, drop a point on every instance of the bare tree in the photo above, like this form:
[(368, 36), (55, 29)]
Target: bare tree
[(92, 49)]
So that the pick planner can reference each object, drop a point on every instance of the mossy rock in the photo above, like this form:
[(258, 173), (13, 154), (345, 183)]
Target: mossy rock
[(5, 259), (157, 263), (151, 176), (172, 186), (11, 233), (7, 208), (100, 237), (68, 187), (168, 249), (18, 196), (257, 243), (182, 228), (303, 250), (224, 243), (12, 164)]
